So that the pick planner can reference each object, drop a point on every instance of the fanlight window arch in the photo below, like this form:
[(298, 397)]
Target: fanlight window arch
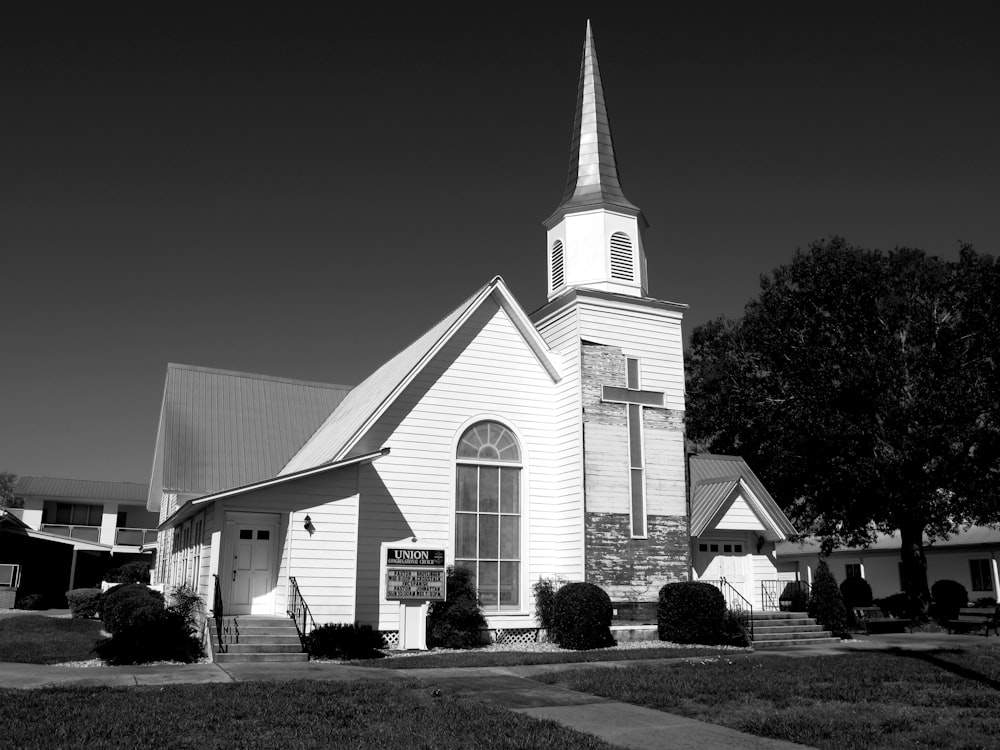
[(489, 441), (488, 514)]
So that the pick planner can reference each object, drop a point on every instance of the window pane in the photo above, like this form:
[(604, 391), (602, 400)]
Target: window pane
[(96, 514), (510, 490), (488, 537), (466, 493), (488, 584), (638, 504), (509, 584), (64, 513), (510, 533), (263, 534), (489, 489), (465, 536), (246, 533)]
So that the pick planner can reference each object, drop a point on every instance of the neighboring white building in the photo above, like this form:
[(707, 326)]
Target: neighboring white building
[(524, 445), (970, 557)]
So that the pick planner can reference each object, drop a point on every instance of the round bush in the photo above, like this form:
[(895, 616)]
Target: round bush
[(581, 614), (84, 602), (457, 622), (133, 572), (691, 612), (152, 635), (949, 597), (856, 593), (123, 604), (345, 641)]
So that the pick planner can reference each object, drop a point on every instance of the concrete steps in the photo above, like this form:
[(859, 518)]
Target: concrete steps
[(781, 630), (252, 638)]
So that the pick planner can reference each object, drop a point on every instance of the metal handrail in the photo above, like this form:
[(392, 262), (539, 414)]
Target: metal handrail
[(774, 593), (298, 610), (737, 604), (767, 600), (217, 613)]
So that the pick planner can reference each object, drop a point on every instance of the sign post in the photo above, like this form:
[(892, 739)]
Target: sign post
[(414, 578)]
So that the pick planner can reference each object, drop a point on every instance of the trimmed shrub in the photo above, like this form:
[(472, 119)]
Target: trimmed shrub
[(581, 614), (133, 572), (84, 602), (457, 622), (856, 592), (29, 601), (826, 605), (691, 612), (986, 601), (151, 635), (895, 605), (545, 602), (948, 597), (127, 602), (345, 641)]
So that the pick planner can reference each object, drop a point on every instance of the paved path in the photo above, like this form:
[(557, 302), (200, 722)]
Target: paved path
[(620, 724)]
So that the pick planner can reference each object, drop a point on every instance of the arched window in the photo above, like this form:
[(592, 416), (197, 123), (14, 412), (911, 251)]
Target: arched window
[(558, 269), (488, 513), (621, 257)]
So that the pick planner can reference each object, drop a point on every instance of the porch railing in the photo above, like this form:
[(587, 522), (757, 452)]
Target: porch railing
[(737, 604), (217, 613), (127, 537), (298, 610), (784, 595)]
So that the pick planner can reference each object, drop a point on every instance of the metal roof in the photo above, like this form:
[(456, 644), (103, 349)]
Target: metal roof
[(83, 489), (974, 536), (344, 428), (713, 479), (592, 180), (221, 429)]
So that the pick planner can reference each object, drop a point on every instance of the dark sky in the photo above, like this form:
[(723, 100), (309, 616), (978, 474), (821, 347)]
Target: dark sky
[(301, 189)]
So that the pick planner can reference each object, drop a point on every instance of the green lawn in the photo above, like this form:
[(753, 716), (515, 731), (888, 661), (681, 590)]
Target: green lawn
[(375, 715), (944, 699), (521, 658), (36, 639)]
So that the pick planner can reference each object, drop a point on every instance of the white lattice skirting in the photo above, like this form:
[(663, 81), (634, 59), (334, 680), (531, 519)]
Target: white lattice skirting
[(503, 636)]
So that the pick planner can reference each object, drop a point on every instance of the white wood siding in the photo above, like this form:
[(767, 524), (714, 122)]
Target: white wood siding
[(739, 515), (486, 371)]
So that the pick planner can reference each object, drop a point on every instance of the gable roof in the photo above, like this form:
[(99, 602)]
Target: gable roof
[(368, 401), (221, 429), (715, 480), (83, 489), (974, 536)]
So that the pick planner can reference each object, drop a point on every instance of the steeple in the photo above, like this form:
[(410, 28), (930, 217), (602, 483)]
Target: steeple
[(595, 235)]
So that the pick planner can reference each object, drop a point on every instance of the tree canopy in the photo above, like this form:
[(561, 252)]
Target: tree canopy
[(863, 387), (7, 481)]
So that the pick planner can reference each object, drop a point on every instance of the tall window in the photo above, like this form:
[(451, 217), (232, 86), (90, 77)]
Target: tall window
[(852, 570), (558, 269), (982, 578), (621, 257), (488, 514)]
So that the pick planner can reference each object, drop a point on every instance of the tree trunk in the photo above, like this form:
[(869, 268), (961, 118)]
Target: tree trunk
[(914, 568)]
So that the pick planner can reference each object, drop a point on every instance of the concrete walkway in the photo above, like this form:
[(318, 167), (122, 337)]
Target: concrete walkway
[(619, 724)]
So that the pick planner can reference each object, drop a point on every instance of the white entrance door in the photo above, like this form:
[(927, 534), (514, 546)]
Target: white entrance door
[(725, 558), (253, 568)]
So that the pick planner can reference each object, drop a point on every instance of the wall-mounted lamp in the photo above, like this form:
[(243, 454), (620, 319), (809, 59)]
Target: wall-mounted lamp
[(309, 526)]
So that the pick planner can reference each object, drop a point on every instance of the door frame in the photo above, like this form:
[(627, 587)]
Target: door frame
[(722, 538), (233, 519)]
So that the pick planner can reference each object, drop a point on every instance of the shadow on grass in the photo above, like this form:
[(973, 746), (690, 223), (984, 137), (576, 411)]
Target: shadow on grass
[(934, 658)]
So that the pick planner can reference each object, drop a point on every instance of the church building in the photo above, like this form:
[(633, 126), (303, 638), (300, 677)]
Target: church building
[(525, 445)]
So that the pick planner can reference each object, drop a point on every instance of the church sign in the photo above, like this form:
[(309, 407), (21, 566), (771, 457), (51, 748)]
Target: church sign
[(414, 574)]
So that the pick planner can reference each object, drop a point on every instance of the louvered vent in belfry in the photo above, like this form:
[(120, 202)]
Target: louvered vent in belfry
[(621, 257), (558, 274)]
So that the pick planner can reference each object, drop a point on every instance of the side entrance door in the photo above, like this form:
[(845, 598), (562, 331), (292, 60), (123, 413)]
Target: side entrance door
[(725, 558), (252, 564)]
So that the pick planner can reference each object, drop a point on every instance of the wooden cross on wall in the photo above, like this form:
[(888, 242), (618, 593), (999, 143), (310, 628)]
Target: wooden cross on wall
[(634, 398)]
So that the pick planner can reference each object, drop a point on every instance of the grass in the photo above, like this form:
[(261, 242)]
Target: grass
[(521, 658), (36, 639), (864, 701), (305, 714)]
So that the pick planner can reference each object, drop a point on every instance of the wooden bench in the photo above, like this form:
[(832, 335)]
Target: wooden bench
[(875, 621), (973, 618)]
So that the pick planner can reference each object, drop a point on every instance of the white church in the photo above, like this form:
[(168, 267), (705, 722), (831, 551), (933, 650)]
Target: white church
[(524, 445)]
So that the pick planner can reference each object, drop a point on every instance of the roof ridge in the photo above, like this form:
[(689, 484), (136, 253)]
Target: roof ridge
[(256, 376), (71, 479)]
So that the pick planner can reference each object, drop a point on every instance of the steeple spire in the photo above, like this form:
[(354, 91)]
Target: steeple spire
[(592, 180), (594, 237)]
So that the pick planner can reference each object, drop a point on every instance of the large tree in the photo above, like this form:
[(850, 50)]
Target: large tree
[(7, 481), (863, 386)]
